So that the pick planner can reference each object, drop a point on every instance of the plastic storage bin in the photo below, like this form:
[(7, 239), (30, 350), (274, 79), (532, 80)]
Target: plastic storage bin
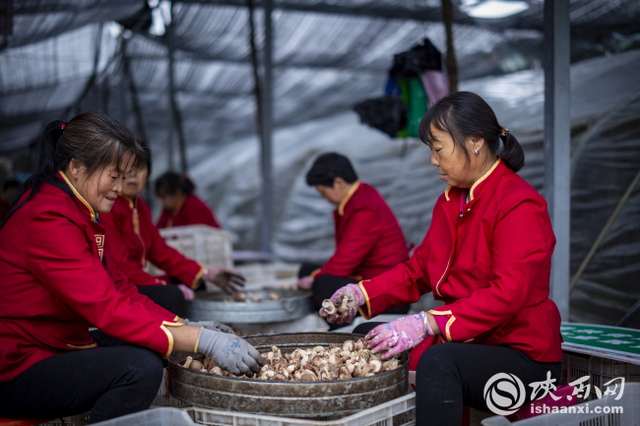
[(205, 244), (155, 417), (398, 412), (630, 415), (600, 370)]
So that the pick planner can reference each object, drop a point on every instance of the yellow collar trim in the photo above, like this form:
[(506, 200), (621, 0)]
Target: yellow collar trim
[(346, 199), (131, 203), (446, 192), (486, 175), (77, 194)]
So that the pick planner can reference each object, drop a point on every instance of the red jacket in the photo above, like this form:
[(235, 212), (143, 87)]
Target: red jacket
[(133, 239), (58, 278), (491, 268), (192, 212), (369, 240)]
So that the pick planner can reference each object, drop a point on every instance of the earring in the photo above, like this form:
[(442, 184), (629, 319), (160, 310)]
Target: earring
[(476, 151)]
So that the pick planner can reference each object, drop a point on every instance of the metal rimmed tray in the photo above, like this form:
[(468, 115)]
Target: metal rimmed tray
[(293, 304), (290, 398)]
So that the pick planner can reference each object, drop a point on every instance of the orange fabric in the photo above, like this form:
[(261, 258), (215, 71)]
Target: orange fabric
[(193, 211), (491, 267)]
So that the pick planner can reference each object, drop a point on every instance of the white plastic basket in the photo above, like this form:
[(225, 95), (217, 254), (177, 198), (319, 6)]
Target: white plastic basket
[(157, 417), (205, 244), (398, 412), (600, 370), (630, 415)]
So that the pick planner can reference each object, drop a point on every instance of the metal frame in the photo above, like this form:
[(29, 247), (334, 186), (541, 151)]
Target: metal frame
[(557, 144)]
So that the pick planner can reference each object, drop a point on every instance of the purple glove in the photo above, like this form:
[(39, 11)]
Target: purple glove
[(305, 283), (344, 306), (399, 335), (187, 292)]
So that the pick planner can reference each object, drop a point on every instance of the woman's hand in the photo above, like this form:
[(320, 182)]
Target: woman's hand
[(349, 295), (305, 283), (397, 336), (210, 325), (225, 278), (187, 292), (230, 352)]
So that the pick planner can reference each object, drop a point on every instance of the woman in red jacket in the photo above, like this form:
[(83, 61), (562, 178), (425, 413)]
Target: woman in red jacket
[(180, 206), (487, 255), (133, 239), (58, 279)]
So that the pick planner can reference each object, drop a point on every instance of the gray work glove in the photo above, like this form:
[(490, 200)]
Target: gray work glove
[(210, 325), (230, 352)]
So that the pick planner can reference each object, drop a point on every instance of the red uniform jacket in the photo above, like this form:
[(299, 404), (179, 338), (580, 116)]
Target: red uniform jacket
[(369, 240), (57, 278), (133, 239), (192, 212), (491, 267)]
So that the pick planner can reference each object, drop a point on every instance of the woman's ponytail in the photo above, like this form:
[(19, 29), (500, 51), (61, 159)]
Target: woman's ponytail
[(93, 138), (512, 153)]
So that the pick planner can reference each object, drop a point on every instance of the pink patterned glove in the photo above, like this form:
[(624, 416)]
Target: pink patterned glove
[(399, 335), (187, 292), (346, 302), (305, 283)]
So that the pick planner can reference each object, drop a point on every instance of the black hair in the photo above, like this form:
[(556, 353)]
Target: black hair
[(171, 182), (93, 138), (464, 115), (12, 183), (329, 166)]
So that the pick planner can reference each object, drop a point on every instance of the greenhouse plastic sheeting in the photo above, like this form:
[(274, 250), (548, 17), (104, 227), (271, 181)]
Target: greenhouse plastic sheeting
[(606, 128)]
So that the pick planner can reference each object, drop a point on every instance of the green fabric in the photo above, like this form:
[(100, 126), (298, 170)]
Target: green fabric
[(600, 338), (417, 106)]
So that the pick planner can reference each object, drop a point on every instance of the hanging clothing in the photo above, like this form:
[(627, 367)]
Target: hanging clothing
[(59, 278), (193, 211), (134, 240), (491, 267), (369, 240)]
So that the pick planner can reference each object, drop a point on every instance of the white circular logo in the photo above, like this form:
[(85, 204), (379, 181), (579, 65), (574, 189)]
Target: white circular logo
[(504, 394)]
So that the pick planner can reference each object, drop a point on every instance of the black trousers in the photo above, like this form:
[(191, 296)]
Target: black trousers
[(168, 296), (451, 375), (108, 381), (324, 286)]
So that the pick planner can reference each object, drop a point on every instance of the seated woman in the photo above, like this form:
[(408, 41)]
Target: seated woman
[(487, 255), (180, 206), (369, 240), (58, 279), (133, 239)]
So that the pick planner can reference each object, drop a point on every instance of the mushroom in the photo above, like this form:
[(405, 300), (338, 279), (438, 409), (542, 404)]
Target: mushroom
[(239, 297), (217, 371), (360, 344), (344, 306), (269, 374), (196, 365), (281, 375), (329, 307), (348, 346), (274, 296), (188, 362), (344, 373), (390, 365), (373, 367), (308, 375)]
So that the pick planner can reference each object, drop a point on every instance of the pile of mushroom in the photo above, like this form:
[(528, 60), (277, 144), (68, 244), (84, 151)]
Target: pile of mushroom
[(336, 362)]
